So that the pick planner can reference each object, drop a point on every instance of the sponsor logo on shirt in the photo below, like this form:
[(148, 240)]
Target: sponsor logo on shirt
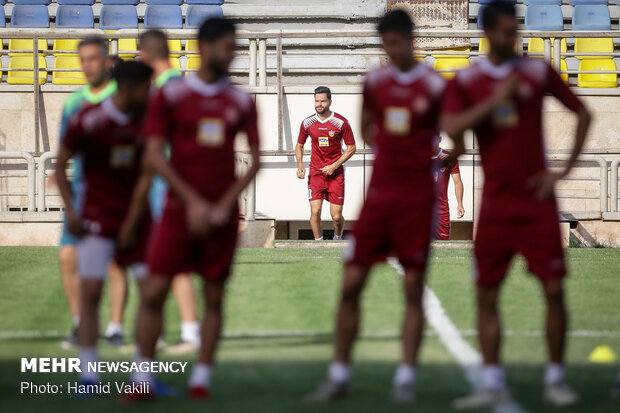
[(323, 141), (397, 120), (505, 115), (211, 132), (122, 156)]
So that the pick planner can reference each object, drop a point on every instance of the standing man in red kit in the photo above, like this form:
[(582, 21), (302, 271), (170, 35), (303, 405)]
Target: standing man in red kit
[(442, 176)]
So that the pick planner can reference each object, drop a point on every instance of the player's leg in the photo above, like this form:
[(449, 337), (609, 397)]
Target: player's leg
[(67, 258), (153, 292), (336, 212), (118, 298), (183, 291), (316, 207), (335, 196)]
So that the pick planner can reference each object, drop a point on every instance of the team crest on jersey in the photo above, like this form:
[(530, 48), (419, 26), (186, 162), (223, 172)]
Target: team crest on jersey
[(332, 133), (323, 141), (122, 156), (505, 115), (397, 120), (211, 132)]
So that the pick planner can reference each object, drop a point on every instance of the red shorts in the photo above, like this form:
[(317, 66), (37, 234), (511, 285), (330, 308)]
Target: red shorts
[(173, 250), (330, 188), (392, 224), (441, 226), (533, 231)]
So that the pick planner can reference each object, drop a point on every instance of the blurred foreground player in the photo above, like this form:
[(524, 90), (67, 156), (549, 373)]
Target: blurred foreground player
[(442, 176), (501, 99), (95, 62), (154, 52), (113, 222), (400, 118), (199, 116)]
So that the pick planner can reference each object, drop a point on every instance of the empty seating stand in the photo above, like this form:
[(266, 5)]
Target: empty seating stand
[(70, 16), (116, 17), (30, 16), (77, 2), (547, 17), (532, 2), (27, 16), (591, 17), (165, 17), (196, 14)]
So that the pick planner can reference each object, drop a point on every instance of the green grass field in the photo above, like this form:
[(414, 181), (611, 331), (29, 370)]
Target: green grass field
[(284, 292)]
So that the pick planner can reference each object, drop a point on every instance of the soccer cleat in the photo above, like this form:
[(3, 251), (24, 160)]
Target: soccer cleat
[(402, 393), (481, 399), (560, 395), (115, 340), (199, 393), (329, 390)]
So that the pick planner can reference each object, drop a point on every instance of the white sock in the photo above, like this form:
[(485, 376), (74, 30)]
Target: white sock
[(113, 328), (201, 376), (493, 377), (337, 237), (404, 376), (142, 376), (319, 239), (554, 374), (339, 372), (76, 320), (88, 355), (190, 332)]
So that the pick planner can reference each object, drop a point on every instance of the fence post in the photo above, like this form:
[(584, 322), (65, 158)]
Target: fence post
[(557, 50), (252, 77), (262, 62), (614, 185), (41, 175), (35, 85), (31, 171), (547, 49), (280, 92)]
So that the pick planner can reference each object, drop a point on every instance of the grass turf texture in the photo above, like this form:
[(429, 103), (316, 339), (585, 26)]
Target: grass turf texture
[(296, 291)]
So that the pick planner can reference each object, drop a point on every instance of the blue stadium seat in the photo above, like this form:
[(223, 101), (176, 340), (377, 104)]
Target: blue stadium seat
[(124, 2), (196, 14), (578, 2), (115, 17), (2, 3), (30, 16), (544, 17), (163, 17), (31, 2), (172, 2), (84, 2), (591, 17), (2, 17), (480, 11), (74, 17), (531, 2), (220, 2)]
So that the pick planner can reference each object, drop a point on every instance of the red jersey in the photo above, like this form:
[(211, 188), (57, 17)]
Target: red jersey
[(406, 109), (326, 136), (442, 179), (511, 139), (107, 140), (200, 121)]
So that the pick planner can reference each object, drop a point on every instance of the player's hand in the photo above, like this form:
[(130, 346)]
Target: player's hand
[(328, 170), (460, 212), (220, 214), (198, 213), (506, 88), (543, 183), (74, 224), (126, 237), (301, 172)]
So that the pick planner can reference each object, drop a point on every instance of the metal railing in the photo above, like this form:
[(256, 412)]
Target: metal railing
[(29, 176), (614, 185), (247, 199)]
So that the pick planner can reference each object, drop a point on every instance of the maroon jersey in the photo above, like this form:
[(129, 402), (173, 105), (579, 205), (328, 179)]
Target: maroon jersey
[(107, 140), (326, 136), (406, 110), (200, 121), (442, 179), (511, 139)]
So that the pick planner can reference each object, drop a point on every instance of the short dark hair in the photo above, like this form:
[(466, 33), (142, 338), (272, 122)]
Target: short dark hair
[(155, 43), (131, 73), (492, 12), (396, 21), (323, 89), (214, 29), (95, 40)]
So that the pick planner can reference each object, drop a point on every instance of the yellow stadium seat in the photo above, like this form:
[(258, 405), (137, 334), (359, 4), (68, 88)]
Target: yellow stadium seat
[(450, 63), (66, 44), (563, 67), (175, 48), (193, 63), (597, 80), (192, 45), (537, 46), (26, 44), (453, 56), (484, 46), (603, 45), (175, 63), (25, 77), (68, 78), (125, 44)]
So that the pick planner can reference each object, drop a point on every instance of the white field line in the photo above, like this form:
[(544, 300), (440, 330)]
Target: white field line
[(468, 358)]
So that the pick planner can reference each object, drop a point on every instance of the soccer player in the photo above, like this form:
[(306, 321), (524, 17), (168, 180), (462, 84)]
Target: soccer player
[(501, 99), (199, 116), (153, 46), (327, 130), (93, 52), (113, 219), (442, 176), (400, 118)]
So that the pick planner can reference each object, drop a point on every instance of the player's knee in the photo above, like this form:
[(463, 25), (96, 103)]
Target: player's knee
[(487, 299), (554, 292), (315, 211), (90, 296), (66, 255), (337, 216), (351, 293)]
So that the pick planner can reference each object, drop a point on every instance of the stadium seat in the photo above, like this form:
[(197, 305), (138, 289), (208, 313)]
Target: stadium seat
[(453, 56), (195, 15), (531, 2), (75, 17), (25, 77), (603, 80), (66, 44), (483, 46), (172, 2), (121, 2), (450, 63), (578, 2), (604, 45), (544, 17), (84, 2), (175, 48), (68, 78), (26, 44), (591, 17), (26, 16), (175, 63), (2, 3), (479, 20), (563, 67), (163, 17), (536, 46), (209, 2), (32, 2), (2, 17), (193, 62), (115, 17)]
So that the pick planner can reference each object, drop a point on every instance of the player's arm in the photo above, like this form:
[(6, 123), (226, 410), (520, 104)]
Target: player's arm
[(367, 126), (299, 151), (64, 186), (137, 207), (458, 191), (349, 141)]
